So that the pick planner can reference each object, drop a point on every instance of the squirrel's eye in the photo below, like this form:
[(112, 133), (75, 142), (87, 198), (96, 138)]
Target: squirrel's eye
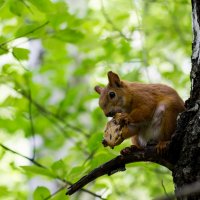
[(112, 95)]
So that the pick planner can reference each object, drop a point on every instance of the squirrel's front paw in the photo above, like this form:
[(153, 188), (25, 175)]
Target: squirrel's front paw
[(121, 118), (129, 150)]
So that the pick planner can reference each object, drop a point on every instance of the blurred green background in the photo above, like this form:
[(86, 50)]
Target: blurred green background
[(52, 54)]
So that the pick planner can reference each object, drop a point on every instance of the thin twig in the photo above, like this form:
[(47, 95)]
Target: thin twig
[(144, 50), (176, 24), (52, 114), (19, 154), (27, 6), (25, 34), (82, 189), (90, 156), (51, 117), (112, 24), (56, 192), (20, 63), (42, 166), (31, 120)]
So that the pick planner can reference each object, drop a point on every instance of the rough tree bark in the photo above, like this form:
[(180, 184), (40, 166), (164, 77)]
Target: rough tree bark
[(183, 156), (185, 146)]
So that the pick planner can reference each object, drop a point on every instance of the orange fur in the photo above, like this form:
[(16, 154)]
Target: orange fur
[(134, 140), (145, 106)]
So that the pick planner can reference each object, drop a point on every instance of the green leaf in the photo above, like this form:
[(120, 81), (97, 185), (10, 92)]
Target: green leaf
[(16, 7), (1, 3), (100, 158), (38, 170), (77, 172), (95, 141), (3, 45), (21, 53), (41, 193), (33, 29), (43, 5), (59, 168), (3, 51), (61, 195), (69, 35), (3, 191)]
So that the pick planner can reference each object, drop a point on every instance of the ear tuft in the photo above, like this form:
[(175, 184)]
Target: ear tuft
[(110, 73), (114, 80), (98, 89)]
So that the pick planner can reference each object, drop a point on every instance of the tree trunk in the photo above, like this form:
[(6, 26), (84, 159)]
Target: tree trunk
[(185, 146)]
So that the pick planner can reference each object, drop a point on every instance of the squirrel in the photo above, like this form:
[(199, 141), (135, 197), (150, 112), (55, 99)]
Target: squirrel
[(149, 111)]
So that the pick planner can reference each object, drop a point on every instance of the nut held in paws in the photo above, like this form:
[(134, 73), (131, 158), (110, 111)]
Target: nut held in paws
[(113, 134)]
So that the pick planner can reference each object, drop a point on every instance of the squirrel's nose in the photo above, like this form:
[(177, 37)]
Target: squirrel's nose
[(104, 142), (110, 114)]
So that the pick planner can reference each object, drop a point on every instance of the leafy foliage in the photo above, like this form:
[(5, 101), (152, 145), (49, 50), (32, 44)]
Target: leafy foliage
[(52, 55)]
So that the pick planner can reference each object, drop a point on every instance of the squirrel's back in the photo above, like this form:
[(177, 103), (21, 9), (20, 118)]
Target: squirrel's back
[(151, 92)]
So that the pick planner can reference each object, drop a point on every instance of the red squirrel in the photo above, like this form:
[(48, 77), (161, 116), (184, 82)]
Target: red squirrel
[(149, 111)]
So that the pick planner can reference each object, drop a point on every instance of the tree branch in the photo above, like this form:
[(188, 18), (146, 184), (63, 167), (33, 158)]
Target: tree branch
[(118, 164), (57, 177)]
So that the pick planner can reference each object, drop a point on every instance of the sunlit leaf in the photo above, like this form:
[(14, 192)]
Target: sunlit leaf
[(33, 29), (95, 141), (21, 53), (16, 7), (41, 193), (43, 5), (3, 191), (69, 35), (3, 45), (59, 168), (37, 170), (76, 172), (2, 3)]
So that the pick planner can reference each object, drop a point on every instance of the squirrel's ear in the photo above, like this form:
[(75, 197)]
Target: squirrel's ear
[(114, 79), (98, 89)]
